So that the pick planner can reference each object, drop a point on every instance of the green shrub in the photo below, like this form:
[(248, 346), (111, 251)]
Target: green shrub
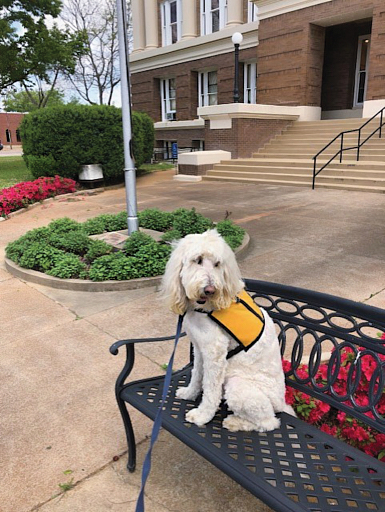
[(67, 267), (116, 266), (60, 140), (152, 259), (171, 235), (105, 222), (189, 221), (55, 249), (96, 249), (153, 218), (64, 225), (39, 256), (74, 241), (94, 226), (136, 241), (232, 233)]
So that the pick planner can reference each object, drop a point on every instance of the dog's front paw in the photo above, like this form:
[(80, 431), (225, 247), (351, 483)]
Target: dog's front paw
[(199, 417), (186, 393)]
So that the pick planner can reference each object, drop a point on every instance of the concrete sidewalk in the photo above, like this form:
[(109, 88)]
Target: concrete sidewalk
[(59, 423)]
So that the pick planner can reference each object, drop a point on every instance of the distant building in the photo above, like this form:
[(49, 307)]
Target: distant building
[(299, 60), (9, 128)]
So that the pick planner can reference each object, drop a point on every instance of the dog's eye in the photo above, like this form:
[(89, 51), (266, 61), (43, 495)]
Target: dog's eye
[(199, 260), (216, 264)]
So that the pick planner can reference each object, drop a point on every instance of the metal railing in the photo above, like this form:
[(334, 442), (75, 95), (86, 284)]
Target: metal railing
[(360, 143)]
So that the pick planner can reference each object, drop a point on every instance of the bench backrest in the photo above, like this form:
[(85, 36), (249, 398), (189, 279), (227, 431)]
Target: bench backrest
[(335, 347)]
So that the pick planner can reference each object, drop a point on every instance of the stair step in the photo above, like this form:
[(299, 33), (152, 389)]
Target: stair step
[(287, 159), (305, 171), (339, 186), (292, 176)]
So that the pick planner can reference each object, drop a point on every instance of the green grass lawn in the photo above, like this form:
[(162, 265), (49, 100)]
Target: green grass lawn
[(13, 170)]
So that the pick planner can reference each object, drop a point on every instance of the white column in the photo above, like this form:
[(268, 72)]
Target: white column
[(138, 31), (189, 21), (234, 12), (151, 23)]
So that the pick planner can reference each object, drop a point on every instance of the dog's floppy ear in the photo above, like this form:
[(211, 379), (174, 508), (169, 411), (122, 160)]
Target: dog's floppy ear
[(171, 287), (232, 280)]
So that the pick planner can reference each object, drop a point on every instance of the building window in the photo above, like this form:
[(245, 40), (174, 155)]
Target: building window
[(208, 89), (252, 12), (18, 138), (168, 97), (250, 82), (8, 136), (213, 16), (171, 21)]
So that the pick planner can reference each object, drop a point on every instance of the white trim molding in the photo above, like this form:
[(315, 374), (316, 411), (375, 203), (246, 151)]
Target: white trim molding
[(220, 116), (371, 107), (187, 50), (180, 125), (269, 8)]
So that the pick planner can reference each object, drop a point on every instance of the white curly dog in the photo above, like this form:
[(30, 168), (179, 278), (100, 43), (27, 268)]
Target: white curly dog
[(202, 273)]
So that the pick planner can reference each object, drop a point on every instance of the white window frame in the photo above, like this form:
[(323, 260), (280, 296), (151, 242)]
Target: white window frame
[(250, 82), (168, 113), (360, 71), (203, 89), (165, 10), (207, 15), (252, 12)]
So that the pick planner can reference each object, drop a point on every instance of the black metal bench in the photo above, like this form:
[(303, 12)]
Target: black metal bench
[(297, 467)]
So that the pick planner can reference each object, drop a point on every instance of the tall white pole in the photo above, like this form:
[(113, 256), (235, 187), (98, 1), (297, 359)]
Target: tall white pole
[(129, 164)]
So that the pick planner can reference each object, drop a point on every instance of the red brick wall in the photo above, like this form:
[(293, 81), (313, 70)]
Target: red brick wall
[(376, 79), (146, 89), (290, 52), (12, 122), (184, 137), (245, 137)]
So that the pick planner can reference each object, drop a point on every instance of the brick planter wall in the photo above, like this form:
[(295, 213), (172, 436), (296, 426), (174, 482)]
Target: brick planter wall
[(245, 137)]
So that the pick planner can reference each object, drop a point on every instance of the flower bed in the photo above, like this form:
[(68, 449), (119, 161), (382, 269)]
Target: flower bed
[(338, 423), (29, 192), (65, 250)]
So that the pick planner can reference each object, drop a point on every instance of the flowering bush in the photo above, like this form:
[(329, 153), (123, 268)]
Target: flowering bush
[(29, 192), (338, 423)]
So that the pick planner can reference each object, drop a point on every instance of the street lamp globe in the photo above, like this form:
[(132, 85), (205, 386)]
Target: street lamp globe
[(237, 38)]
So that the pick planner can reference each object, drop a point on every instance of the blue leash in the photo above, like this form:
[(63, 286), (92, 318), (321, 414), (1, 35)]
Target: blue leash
[(158, 421)]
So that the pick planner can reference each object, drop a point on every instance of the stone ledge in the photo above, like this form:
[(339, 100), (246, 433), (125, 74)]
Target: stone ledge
[(83, 285)]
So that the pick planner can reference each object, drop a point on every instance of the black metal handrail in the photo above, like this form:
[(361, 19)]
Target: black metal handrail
[(342, 149)]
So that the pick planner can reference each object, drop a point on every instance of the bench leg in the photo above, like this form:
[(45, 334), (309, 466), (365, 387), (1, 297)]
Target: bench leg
[(130, 436)]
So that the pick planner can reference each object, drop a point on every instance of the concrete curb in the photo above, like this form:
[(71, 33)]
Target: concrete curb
[(83, 285)]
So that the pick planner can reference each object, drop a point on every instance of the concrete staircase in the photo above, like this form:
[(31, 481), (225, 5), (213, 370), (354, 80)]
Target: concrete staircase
[(287, 159)]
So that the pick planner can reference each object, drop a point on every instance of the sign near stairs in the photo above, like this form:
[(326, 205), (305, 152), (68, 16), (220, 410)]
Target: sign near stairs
[(287, 159)]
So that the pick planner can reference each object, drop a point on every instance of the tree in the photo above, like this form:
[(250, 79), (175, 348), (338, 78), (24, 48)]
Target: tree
[(31, 100), (97, 71), (30, 51)]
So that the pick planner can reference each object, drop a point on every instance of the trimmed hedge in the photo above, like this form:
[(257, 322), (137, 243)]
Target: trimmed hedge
[(59, 140), (63, 248)]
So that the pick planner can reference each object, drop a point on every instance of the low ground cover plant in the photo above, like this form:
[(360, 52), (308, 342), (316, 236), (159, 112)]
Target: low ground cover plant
[(64, 248), (338, 423), (29, 192)]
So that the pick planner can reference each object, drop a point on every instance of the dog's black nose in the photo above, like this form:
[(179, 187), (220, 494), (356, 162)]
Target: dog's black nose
[(209, 290)]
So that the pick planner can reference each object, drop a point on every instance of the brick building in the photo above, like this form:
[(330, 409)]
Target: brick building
[(9, 128), (299, 60)]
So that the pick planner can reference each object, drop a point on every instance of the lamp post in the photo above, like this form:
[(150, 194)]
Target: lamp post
[(237, 39), (129, 164)]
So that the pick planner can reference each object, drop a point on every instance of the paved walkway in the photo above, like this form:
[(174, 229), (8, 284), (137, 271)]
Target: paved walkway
[(59, 423)]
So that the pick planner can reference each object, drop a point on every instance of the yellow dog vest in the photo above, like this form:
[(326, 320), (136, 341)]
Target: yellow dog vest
[(243, 320)]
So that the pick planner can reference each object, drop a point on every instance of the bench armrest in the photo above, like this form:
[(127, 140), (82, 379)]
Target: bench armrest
[(130, 356), (114, 349)]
